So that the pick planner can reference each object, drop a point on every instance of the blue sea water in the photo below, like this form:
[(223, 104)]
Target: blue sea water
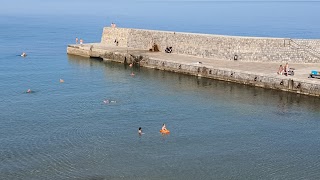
[(219, 130)]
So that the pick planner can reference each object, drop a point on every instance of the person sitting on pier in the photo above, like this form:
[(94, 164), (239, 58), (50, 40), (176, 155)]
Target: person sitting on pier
[(154, 48), (280, 70), (286, 69), (116, 42), (168, 50)]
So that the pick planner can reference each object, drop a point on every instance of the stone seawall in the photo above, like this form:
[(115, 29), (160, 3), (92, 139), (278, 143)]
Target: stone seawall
[(253, 49), (160, 61), (212, 56)]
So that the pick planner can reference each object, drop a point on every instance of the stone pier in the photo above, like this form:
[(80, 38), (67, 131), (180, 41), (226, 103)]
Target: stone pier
[(247, 60)]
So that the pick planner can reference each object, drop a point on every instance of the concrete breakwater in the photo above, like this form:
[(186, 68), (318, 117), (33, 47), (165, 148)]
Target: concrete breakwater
[(246, 60)]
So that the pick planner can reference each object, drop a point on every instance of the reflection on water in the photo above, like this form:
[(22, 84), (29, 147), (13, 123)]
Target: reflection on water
[(214, 88), (82, 61)]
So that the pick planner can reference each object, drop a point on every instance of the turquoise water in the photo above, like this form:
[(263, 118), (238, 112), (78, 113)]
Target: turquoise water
[(219, 130)]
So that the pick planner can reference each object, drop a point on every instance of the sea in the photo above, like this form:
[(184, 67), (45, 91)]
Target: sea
[(86, 128)]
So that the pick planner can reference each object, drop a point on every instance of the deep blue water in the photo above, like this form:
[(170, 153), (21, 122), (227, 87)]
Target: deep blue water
[(219, 130)]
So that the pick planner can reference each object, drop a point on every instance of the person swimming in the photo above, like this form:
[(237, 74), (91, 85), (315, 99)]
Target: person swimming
[(164, 128), (107, 101), (29, 91), (140, 131), (61, 81), (24, 54)]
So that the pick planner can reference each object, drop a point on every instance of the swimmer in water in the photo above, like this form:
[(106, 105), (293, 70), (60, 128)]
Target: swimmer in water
[(132, 74), (164, 128), (23, 54), (29, 91), (130, 65), (140, 131), (61, 81), (106, 101)]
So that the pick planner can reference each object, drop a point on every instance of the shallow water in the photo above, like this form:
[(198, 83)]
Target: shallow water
[(219, 130)]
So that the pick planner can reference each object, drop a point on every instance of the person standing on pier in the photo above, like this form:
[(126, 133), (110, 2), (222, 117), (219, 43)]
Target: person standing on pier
[(81, 42), (113, 25), (286, 69)]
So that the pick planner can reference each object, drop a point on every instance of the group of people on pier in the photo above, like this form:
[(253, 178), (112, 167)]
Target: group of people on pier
[(113, 25), (79, 41), (285, 70)]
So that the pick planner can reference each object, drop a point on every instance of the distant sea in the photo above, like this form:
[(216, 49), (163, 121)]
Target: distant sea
[(219, 130)]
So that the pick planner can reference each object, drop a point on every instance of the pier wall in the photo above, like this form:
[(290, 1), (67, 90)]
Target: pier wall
[(283, 83), (242, 77), (217, 46), (131, 46)]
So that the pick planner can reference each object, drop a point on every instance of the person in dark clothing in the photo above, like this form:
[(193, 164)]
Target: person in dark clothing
[(168, 50)]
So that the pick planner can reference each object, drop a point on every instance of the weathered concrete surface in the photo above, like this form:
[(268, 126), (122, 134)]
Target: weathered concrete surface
[(261, 74)]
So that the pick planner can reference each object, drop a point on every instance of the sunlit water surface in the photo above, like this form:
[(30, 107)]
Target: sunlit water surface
[(219, 130)]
